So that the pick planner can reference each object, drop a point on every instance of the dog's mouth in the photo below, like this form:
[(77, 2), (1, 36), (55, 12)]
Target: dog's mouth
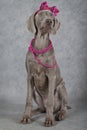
[(45, 29)]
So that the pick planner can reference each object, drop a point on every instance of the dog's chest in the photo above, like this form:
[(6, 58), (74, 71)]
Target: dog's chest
[(40, 79)]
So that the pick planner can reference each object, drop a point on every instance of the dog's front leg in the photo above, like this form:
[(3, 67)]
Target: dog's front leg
[(27, 114), (50, 103)]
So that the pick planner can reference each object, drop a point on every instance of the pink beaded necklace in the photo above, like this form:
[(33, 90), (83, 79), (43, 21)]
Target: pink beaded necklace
[(33, 51)]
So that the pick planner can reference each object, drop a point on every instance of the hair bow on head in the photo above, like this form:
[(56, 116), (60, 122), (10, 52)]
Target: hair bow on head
[(44, 6)]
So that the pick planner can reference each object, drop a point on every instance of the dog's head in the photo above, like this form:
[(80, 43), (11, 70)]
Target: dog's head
[(43, 22)]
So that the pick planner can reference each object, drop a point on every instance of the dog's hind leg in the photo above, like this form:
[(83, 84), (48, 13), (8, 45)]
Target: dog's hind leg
[(62, 95)]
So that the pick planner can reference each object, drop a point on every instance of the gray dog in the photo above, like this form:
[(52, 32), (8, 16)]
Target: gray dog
[(44, 84)]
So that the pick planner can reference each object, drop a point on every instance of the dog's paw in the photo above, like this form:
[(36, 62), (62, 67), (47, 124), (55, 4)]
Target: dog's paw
[(49, 122), (26, 120), (60, 115)]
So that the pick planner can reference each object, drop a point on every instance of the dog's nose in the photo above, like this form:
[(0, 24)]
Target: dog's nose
[(49, 21)]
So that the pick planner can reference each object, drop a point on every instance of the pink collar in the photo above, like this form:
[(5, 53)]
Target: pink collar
[(33, 51)]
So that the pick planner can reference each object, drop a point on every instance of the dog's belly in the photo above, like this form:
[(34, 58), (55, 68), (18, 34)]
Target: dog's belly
[(41, 84), (40, 78), (41, 100), (41, 87)]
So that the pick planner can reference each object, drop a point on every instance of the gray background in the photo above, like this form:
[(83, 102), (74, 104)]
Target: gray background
[(70, 45)]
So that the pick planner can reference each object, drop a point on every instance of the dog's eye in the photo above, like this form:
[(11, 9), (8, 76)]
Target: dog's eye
[(51, 14), (40, 13)]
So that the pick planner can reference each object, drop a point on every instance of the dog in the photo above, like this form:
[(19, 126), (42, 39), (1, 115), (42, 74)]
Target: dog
[(44, 82)]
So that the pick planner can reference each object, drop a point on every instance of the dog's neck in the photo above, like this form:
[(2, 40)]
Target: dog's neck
[(41, 41)]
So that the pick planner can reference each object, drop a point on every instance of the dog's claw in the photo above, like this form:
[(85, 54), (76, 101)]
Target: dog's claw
[(48, 122), (26, 120), (60, 115)]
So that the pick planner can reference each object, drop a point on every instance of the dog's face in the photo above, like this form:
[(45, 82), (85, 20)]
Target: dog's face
[(43, 22)]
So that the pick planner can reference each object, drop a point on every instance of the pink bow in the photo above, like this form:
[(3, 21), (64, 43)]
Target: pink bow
[(44, 6)]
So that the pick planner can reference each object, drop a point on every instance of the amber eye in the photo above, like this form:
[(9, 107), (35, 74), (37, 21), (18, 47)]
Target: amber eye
[(51, 14), (40, 13)]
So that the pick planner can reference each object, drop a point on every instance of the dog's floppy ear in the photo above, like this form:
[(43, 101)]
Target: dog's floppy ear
[(56, 26), (30, 24)]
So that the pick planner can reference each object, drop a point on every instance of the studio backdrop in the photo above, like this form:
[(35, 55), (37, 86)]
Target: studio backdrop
[(70, 44)]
